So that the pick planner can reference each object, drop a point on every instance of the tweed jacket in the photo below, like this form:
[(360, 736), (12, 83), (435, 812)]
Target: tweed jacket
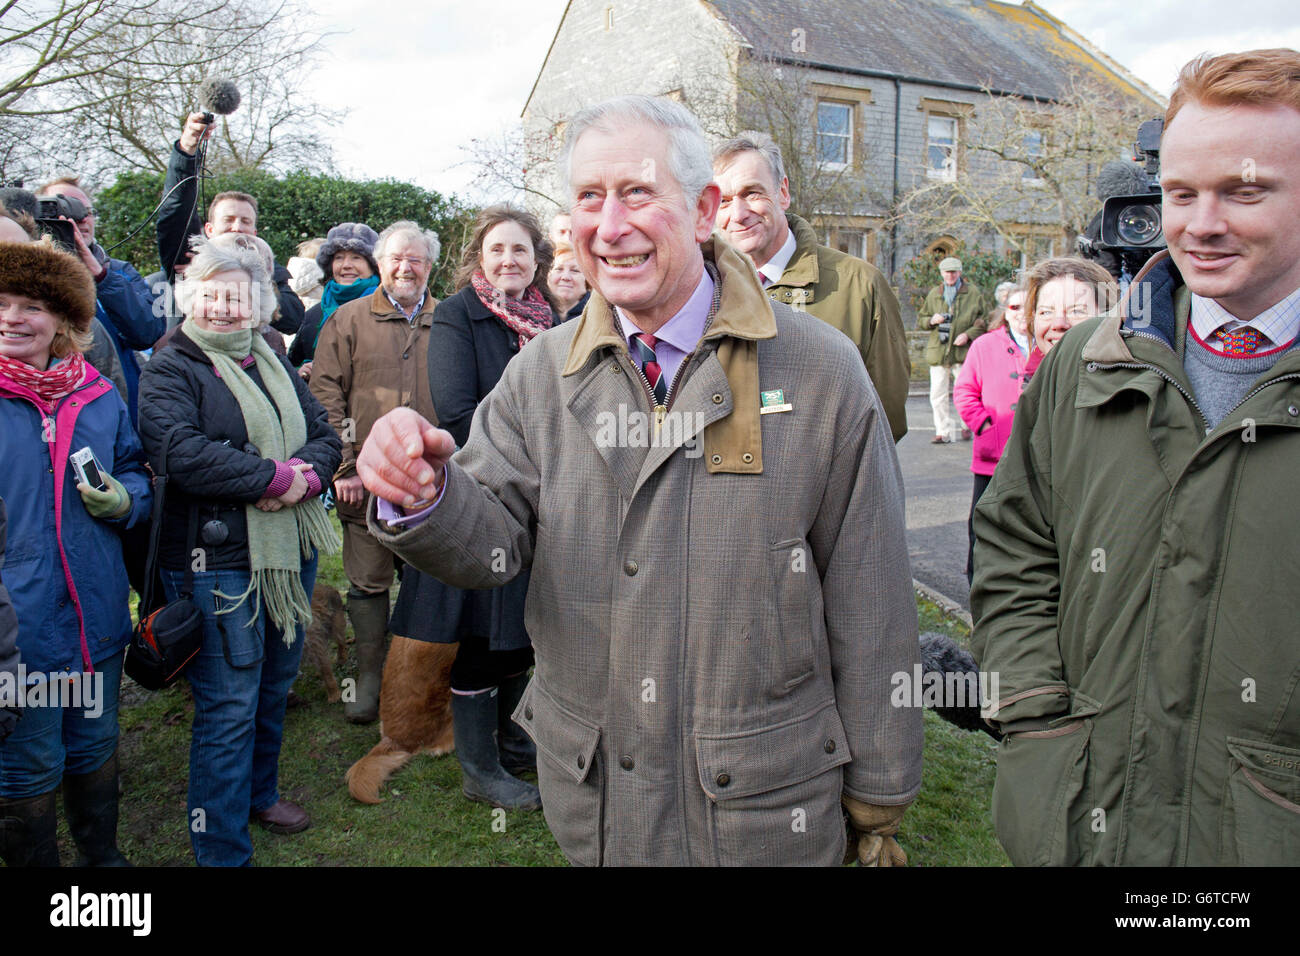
[(370, 360), (716, 621), (853, 296), (969, 314)]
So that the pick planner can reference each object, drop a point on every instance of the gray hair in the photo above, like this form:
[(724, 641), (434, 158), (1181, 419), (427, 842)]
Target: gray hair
[(751, 140), (405, 227), (231, 251), (688, 151), (1003, 292)]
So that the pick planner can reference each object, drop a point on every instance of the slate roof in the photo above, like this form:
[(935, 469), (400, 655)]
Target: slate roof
[(1011, 48)]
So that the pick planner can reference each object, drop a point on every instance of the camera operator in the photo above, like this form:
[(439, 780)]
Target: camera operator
[(124, 302), (178, 218), (954, 313)]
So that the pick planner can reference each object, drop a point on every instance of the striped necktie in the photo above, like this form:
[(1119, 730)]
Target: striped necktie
[(645, 348), (1242, 341)]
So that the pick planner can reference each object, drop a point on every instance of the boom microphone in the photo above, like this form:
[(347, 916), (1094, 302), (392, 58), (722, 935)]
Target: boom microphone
[(218, 96)]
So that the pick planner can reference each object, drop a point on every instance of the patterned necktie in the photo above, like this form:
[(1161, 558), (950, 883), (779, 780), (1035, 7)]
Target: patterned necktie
[(1243, 341), (645, 347)]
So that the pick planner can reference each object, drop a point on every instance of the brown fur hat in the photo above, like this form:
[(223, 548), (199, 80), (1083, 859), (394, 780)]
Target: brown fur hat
[(40, 271)]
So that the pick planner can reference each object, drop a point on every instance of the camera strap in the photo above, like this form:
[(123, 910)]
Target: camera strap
[(155, 531)]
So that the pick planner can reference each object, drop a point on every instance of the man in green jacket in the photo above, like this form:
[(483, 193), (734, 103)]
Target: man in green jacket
[(1135, 575), (960, 306), (843, 291)]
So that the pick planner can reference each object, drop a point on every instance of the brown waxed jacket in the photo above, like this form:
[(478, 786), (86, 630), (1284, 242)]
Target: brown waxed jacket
[(853, 296), (370, 360), (716, 621)]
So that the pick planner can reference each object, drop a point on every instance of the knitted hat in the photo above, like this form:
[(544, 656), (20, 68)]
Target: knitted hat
[(40, 271), (348, 237), (951, 264)]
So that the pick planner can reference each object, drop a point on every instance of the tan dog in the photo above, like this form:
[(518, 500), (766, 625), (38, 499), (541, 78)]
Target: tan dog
[(414, 713), (329, 623)]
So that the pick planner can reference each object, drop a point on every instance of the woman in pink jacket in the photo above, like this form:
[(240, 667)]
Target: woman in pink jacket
[(986, 393)]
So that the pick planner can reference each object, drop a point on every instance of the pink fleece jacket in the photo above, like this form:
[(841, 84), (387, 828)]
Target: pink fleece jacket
[(986, 393)]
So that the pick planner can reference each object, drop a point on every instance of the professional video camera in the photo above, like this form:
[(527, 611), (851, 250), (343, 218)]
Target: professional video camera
[(48, 211), (1130, 224)]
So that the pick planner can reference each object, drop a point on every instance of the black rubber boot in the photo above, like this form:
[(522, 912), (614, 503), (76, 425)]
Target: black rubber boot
[(369, 616), (518, 752), (90, 804), (27, 828), (483, 779)]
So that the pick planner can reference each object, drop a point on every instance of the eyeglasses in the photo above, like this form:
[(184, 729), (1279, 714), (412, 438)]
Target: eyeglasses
[(409, 260)]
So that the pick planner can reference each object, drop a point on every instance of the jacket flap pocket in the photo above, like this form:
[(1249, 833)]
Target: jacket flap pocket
[(1276, 768), (756, 761), (569, 740)]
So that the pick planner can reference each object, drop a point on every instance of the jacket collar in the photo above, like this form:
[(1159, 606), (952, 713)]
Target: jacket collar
[(1156, 304), (802, 269), (744, 311), (381, 308)]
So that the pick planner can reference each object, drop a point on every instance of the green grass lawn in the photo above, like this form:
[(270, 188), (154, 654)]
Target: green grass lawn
[(425, 820)]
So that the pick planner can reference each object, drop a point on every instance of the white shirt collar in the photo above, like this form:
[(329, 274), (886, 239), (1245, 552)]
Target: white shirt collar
[(774, 268), (1280, 322)]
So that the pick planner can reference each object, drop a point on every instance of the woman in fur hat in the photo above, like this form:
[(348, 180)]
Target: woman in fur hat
[(347, 258), (248, 452), (64, 567)]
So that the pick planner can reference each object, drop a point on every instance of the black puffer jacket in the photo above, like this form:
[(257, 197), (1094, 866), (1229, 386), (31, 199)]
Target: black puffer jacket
[(210, 461), (9, 710)]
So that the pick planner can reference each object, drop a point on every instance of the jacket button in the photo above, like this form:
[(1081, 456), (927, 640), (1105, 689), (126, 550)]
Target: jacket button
[(626, 762), (582, 762), (528, 713), (1292, 411), (747, 458), (406, 355), (631, 568), (716, 459), (615, 367), (830, 746), (717, 398), (1092, 366), (723, 779)]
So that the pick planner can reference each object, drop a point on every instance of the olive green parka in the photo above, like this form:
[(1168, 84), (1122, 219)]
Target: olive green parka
[(1136, 596), (969, 314), (853, 296)]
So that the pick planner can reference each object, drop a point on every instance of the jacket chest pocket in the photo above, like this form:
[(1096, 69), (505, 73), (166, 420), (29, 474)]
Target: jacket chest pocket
[(794, 581), (1260, 822), (569, 774)]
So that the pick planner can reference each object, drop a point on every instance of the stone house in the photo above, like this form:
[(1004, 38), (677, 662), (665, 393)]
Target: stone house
[(894, 115)]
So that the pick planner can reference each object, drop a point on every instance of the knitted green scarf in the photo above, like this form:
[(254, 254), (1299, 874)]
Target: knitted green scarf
[(277, 540)]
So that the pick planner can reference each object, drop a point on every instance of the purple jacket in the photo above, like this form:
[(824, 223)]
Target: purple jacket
[(986, 393)]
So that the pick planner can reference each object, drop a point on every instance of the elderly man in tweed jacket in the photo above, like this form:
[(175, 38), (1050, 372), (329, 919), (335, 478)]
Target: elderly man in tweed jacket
[(705, 486)]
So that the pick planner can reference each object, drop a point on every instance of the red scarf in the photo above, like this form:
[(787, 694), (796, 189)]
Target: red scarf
[(51, 384), (526, 317)]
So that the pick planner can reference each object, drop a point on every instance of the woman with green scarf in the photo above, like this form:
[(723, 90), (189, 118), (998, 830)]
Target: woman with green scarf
[(248, 450), (347, 257)]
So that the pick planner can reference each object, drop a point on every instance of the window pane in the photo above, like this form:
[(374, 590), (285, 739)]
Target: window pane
[(834, 130), (833, 118)]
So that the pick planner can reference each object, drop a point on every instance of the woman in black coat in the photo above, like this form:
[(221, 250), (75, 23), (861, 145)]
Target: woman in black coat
[(248, 450), (502, 302)]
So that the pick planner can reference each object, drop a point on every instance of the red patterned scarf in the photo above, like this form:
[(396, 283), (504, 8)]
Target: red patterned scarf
[(51, 384), (526, 317)]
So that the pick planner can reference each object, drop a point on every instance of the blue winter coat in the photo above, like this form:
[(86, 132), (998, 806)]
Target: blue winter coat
[(64, 568), (124, 302)]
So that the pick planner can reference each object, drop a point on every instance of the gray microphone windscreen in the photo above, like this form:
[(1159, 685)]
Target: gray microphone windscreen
[(219, 96)]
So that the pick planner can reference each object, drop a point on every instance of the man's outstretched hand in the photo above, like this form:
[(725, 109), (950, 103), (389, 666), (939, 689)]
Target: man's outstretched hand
[(404, 458)]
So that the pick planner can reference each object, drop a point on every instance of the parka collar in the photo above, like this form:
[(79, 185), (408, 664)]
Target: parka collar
[(381, 308), (802, 268), (744, 311)]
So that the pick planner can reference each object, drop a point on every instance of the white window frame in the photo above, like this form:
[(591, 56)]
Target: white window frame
[(948, 173), (1029, 177), (846, 136)]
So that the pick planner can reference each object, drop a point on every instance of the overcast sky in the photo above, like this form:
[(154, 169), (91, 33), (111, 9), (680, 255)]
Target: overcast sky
[(421, 78)]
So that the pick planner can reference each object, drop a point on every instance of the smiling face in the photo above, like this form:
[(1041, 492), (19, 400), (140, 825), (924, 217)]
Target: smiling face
[(1231, 183), (27, 329), (565, 279), (348, 267), (224, 302), (637, 236), (507, 258), (404, 268), (952, 277), (1062, 303), (753, 204)]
